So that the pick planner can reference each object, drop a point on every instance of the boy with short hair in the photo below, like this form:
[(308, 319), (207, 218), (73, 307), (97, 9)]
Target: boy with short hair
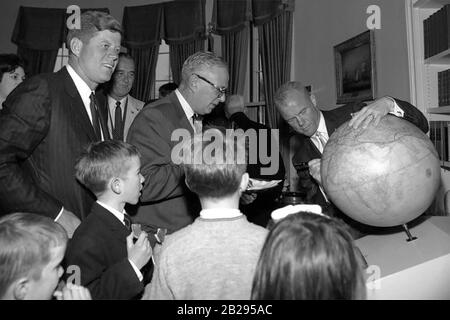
[(102, 246), (215, 257), (31, 250)]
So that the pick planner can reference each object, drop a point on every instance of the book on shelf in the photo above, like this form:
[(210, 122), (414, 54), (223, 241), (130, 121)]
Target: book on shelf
[(436, 32), (444, 88)]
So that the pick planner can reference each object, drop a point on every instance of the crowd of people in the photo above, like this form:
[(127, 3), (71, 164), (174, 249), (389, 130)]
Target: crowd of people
[(88, 175)]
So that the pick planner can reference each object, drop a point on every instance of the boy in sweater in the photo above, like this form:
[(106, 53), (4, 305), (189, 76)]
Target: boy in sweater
[(214, 257)]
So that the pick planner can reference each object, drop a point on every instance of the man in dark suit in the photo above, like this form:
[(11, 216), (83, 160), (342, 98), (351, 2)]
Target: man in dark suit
[(49, 119), (166, 202), (121, 108), (298, 107)]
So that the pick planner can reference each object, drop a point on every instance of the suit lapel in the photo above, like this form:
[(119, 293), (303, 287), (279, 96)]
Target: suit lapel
[(111, 222), (133, 109), (76, 105), (182, 120)]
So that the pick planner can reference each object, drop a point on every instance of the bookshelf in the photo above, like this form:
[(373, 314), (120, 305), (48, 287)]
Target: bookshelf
[(424, 77), (429, 4)]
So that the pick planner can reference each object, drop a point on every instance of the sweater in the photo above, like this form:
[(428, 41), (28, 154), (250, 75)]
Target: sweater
[(209, 259)]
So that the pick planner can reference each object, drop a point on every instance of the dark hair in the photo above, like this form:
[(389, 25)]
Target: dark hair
[(215, 175), (308, 256), (26, 241), (92, 22), (103, 161), (10, 62), (167, 88)]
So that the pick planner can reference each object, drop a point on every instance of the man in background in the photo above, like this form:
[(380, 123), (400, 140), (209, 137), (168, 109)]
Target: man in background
[(119, 105)]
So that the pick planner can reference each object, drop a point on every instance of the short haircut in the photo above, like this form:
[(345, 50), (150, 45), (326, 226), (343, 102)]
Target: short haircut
[(217, 176), (10, 62), (26, 241), (201, 60), (92, 22), (167, 88), (282, 94), (103, 161), (308, 256)]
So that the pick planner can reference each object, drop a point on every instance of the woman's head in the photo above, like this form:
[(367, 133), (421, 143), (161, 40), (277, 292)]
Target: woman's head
[(11, 74), (308, 256)]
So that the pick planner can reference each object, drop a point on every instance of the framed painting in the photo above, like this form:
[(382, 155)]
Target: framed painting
[(356, 68)]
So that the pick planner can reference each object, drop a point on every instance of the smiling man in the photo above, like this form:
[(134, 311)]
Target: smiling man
[(49, 119), (166, 203)]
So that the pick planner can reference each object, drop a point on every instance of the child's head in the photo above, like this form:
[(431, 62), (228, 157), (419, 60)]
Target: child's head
[(215, 169), (308, 256), (31, 250), (112, 167)]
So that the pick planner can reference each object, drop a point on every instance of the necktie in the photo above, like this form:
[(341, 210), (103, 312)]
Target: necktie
[(127, 221), (322, 139), (118, 124), (95, 117), (197, 121)]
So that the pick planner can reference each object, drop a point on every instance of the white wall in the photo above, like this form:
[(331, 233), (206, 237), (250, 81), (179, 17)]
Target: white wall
[(321, 24)]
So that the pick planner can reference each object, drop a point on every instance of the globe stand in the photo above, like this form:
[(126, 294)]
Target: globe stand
[(410, 237)]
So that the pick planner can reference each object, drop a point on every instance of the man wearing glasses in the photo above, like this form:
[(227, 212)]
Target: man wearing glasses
[(166, 203), (298, 107)]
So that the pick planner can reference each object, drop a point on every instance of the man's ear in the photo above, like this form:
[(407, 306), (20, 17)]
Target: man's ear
[(116, 185), (75, 46), (244, 182), (20, 288)]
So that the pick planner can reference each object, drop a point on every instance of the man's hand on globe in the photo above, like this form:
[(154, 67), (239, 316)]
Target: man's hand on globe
[(372, 113), (314, 170)]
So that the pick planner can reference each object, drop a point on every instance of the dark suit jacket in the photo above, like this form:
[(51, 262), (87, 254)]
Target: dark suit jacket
[(333, 119), (166, 202), (44, 127), (99, 248)]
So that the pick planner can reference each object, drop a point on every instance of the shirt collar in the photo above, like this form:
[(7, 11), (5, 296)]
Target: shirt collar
[(82, 87), (112, 102), (220, 213), (185, 105), (322, 126), (119, 215)]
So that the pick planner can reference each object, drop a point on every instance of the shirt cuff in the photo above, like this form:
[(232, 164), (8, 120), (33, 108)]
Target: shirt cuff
[(398, 112), (136, 270), (59, 214)]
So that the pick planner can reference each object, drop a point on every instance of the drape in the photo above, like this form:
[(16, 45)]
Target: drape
[(234, 50), (39, 33), (231, 20), (178, 53), (142, 37), (275, 40), (184, 31)]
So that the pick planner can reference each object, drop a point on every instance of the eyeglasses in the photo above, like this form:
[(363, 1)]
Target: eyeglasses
[(297, 117), (221, 91)]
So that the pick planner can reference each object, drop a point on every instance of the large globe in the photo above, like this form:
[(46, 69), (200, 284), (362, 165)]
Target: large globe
[(385, 175)]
